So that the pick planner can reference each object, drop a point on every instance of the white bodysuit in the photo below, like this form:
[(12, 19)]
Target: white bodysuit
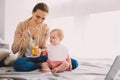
[(57, 52)]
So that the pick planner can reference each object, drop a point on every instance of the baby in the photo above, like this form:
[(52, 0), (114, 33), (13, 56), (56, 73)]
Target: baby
[(58, 57)]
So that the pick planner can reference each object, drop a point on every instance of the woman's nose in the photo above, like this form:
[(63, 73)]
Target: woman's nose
[(40, 20)]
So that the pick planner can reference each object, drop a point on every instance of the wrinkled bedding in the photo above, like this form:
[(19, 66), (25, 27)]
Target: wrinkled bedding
[(87, 70), (3, 44)]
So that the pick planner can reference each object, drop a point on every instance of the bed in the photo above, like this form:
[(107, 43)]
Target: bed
[(88, 69)]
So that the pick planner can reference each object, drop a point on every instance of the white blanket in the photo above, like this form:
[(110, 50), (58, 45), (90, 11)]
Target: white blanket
[(87, 70)]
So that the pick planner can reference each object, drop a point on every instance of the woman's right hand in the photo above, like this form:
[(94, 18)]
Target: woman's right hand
[(24, 34)]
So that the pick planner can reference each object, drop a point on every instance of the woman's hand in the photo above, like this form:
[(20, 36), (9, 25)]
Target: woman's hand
[(38, 52), (44, 52), (24, 34)]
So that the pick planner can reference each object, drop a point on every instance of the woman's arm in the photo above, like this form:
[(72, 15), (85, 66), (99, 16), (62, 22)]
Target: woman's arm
[(20, 41)]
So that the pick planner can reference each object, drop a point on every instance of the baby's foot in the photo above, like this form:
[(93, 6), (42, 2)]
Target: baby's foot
[(54, 70), (46, 70)]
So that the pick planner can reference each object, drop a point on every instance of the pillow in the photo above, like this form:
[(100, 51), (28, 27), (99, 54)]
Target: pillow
[(10, 60), (4, 49), (3, 44), (4, 53)]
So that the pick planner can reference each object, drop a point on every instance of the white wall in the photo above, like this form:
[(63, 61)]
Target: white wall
[(93, 35), (15, 12), (102, 35), (88, 35), (2, 16)]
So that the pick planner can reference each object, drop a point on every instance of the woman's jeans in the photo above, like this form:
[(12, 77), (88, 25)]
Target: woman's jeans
[(29, 64)]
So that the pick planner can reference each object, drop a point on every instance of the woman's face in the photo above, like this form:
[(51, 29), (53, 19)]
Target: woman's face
[(54, 38), (39, 16)]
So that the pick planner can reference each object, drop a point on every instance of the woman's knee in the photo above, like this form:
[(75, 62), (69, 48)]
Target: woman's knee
[(43, 58), (21, 64), (74, 63), (17, 65)]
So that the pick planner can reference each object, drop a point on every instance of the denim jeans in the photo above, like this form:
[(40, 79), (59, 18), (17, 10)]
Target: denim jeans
[(29, 64)]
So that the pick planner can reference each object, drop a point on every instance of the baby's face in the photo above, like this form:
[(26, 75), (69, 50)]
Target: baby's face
[(54, 38)]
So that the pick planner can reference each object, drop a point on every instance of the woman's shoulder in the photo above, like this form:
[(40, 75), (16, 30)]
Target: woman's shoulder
[(44, 26), (24, 23)]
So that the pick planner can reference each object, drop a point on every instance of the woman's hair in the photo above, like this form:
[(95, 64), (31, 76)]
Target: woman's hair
[(41, 6), (59, 33)]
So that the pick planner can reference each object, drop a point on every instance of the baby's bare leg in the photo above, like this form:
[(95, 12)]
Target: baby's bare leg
[(62, 67), (45, 67)]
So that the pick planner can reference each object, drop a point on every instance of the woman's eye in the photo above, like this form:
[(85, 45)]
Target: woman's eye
[(53, 37), (38, 16)]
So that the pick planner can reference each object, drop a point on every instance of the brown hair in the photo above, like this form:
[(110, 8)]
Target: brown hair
[(59, 33), (41, 6)]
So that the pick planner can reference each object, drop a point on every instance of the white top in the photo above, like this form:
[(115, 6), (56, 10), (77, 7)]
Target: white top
[(28, 51), (57, 52)]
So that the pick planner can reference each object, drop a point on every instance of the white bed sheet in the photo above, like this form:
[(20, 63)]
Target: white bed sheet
[(88, 69)]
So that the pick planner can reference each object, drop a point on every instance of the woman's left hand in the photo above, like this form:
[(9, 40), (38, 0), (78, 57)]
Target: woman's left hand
[(38, 52)]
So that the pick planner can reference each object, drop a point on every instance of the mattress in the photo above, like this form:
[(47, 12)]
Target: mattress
[(88, 69)]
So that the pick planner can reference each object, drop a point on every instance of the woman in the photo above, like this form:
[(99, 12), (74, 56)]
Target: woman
[(38, 31)]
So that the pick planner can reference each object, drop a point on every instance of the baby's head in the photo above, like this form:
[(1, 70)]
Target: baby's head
[(56, 36)]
